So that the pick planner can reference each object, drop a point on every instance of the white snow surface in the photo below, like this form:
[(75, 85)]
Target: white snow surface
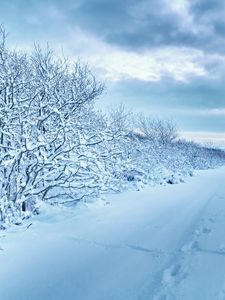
[(160, 243)]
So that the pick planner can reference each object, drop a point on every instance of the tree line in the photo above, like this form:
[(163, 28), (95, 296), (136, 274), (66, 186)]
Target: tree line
[(55, 147)]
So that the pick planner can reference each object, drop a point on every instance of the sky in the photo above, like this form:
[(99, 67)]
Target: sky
[(160, 57)]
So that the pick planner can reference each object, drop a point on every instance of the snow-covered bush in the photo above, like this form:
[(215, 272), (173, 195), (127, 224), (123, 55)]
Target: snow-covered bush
[(47, 126), (156, 130)]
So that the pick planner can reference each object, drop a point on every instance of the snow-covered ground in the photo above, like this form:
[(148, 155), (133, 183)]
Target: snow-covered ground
[(163, 242)]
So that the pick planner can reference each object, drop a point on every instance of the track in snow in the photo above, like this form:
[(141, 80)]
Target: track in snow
[(161, 243)]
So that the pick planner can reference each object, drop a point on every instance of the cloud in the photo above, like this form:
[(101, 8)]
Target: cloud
[(178, 64), (203, 112), (210, 138), (215, 112), (115, 63), (130, 24), (137, 25)]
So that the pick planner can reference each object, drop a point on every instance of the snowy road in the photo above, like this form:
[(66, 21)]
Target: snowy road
[(161, 243)]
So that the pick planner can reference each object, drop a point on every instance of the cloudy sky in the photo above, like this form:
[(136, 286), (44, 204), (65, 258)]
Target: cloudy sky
[(161, 57)]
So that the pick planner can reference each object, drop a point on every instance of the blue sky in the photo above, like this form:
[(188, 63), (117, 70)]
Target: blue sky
[(160, 57)]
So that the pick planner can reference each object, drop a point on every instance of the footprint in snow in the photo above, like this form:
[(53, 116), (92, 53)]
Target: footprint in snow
[(202, 230), (206, 230), (172, 277), (190, 247)]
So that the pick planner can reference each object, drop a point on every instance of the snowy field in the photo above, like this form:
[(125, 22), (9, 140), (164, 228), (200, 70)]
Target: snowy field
[(160, 243)]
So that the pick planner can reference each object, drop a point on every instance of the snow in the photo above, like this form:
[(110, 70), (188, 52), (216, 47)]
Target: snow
[(163, 242)]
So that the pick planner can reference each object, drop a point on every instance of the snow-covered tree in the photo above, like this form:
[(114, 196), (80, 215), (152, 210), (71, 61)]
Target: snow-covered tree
[(43, 105)]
